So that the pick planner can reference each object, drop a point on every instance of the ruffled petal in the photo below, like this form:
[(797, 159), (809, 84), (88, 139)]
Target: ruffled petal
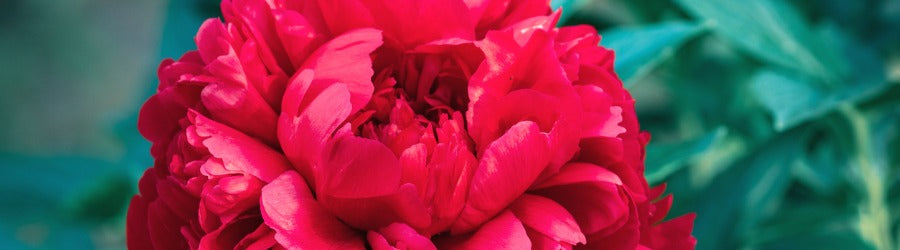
[(299, 222), (345, 59), (509, 166), (239, 152)]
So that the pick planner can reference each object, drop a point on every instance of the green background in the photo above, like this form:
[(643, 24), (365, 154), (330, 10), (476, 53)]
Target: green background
[(776, 121)]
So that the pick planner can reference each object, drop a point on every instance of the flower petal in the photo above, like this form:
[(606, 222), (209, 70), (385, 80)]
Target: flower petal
[(370, 213), (592, 194), (355, 167), (303, 137), (137, 232), (547, 217), (503, 232), (399, 236), (509, 166), (346, 59), (238, 151), (674, 234), (299, 222)]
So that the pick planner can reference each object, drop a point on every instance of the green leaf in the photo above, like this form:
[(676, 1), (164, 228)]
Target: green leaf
[(640, 49), (795, 99), (745, 193), (835, 239), (772, 31), (809, 225), (823, 165), (665, 159)]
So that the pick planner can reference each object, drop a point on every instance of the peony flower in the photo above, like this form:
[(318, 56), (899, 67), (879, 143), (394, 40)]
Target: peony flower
[(358, 124)]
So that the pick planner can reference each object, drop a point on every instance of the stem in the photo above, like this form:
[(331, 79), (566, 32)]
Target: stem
[(874, 214)]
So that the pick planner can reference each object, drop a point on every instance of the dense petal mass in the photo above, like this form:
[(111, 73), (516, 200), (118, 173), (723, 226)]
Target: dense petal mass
[(507, 168), (376, 124)]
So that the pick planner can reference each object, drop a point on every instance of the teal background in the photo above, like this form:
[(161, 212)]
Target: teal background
[(776, 121)]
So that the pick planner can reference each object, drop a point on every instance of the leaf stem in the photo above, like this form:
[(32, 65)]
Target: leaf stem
[(874, 213)]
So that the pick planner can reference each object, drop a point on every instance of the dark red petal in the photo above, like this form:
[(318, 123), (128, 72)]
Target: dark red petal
[(137, 231)]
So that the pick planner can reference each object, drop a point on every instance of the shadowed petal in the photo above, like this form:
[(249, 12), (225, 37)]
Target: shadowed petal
[(548, 218), (503, 232)]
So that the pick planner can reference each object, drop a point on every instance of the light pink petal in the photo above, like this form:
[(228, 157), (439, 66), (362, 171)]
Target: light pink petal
[(230, 98), (230, 196), (299, 222), (547, 217), (257, 22), (238, 151), (601, 118), (503, 232), (509, 166), (304, 137), (345, 59), (452, 167), (298, 36), (211, 40)]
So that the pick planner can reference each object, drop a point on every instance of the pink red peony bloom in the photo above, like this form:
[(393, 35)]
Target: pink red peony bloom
[(408, 124)]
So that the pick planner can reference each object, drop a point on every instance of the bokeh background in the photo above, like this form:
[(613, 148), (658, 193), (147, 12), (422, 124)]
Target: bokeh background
[(776, 121)]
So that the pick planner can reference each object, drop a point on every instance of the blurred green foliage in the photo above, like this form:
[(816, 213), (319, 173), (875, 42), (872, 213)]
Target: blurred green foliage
[(776, 121)]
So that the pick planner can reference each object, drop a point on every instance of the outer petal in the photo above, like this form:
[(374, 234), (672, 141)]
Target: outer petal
[(503, 232), (591, 193), (136, 231), (674, 234), (507, 169), (299, 222), (548, 218)]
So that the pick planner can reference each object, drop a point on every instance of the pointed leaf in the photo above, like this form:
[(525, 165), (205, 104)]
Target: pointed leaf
[(640, 49)]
